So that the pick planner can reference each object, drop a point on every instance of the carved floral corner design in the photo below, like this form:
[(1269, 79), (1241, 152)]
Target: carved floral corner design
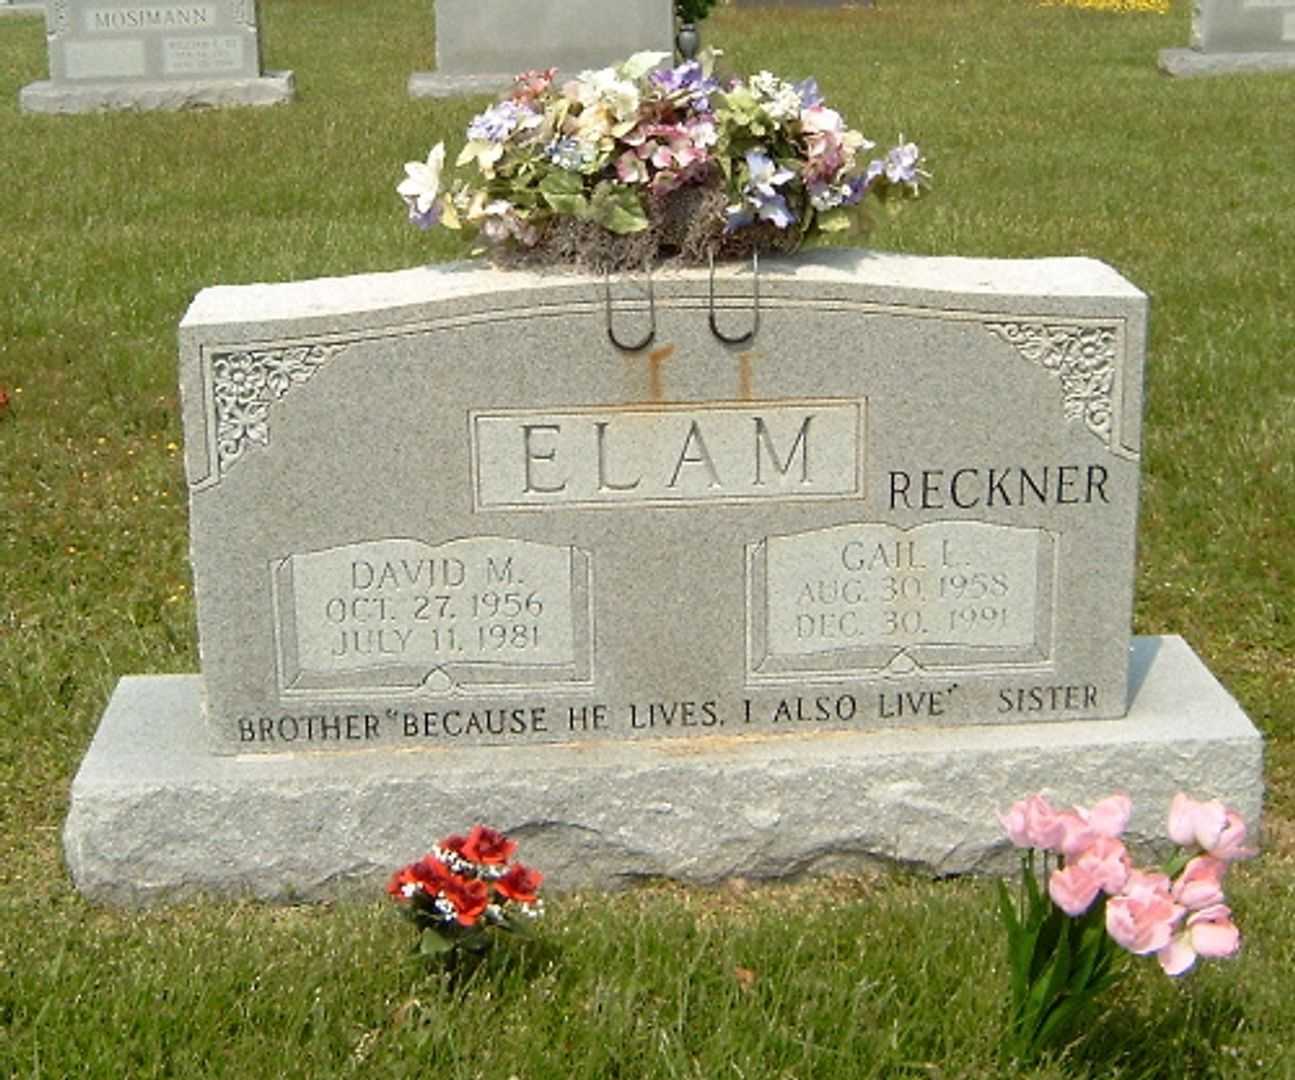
[(245, 384), (1084, 359), (60, 20)]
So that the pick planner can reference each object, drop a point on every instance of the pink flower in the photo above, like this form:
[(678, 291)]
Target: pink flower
[(1081, 827), (1102, 867), (1032, 823), (1209, 825), (1110, 817), (1074, 888), (1230, 846), (630, 169), (1209, 932), (1200, 885), (1142, 917), (1108, 861)]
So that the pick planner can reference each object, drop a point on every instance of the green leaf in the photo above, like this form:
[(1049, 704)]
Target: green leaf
[(434, 943), (572, 205), (617, 211), (562, 182), (641, 63), (563, 191)]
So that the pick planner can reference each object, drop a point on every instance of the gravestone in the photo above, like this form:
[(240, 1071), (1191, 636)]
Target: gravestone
[(676, 606), (1230, 36), (482, 44), (22, 7), (135, 54)]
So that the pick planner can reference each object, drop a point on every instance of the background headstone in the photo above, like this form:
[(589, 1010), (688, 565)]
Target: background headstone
[(22, 7), (482, 44), (153, 54), (696, 609), (1236, 36)]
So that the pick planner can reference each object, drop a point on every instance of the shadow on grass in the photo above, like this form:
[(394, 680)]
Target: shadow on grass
[(505, 961), (1188, 1024)]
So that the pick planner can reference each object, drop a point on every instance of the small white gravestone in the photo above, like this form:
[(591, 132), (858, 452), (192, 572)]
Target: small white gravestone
[(679, 606), (1231, 36), (482, 44), (153, 54)]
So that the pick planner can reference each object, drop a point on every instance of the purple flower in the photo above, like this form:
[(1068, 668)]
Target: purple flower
[(765, 174), (424, 219), (901, 164), (809, 93), (760, 197), (687, 79), (499, 121)]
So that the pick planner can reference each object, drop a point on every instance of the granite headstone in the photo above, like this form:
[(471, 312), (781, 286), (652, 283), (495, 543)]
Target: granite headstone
[(1234, 36), (482, 44), (826, 591), (137, 54)]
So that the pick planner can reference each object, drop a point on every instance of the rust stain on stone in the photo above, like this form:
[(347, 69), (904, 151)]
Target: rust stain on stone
[(656, 385), (744, 389)]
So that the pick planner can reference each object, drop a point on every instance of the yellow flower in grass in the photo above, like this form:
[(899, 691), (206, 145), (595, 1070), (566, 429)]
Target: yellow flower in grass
[(1159, 7)]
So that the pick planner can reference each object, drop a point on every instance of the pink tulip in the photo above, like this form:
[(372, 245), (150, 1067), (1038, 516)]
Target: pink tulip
[(1032, 822), (1077, 834), (1200, 885), (1230, 846), (1209, 932), (1107, 861), (1082, 826), (1142, 917), (1192, 822), (1074, 888), (1209, 825), (1110, 817)]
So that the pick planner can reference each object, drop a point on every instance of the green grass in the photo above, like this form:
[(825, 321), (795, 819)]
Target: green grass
[(1049, 132)]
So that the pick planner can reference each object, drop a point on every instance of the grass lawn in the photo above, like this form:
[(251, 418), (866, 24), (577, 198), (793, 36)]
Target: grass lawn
[(1049, 132)]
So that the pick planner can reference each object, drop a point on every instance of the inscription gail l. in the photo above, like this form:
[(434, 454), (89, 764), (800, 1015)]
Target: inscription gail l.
[(937, 592), (401, 613), (717, 452)]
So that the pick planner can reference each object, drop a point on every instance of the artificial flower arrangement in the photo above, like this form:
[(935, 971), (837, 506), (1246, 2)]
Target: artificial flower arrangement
[(465, 887), (1063, 945), (640, 162)]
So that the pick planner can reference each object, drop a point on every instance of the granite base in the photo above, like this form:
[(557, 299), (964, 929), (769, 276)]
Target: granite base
[(432, 84), (1186, 63), (156, 818), (272, 88)]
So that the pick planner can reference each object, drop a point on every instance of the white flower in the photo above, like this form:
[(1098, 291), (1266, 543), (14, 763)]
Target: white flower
[(619, 96), (781, 100), (422, 182)]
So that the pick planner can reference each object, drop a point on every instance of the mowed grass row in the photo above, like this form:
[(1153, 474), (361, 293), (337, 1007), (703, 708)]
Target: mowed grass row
[(1049, 132)]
